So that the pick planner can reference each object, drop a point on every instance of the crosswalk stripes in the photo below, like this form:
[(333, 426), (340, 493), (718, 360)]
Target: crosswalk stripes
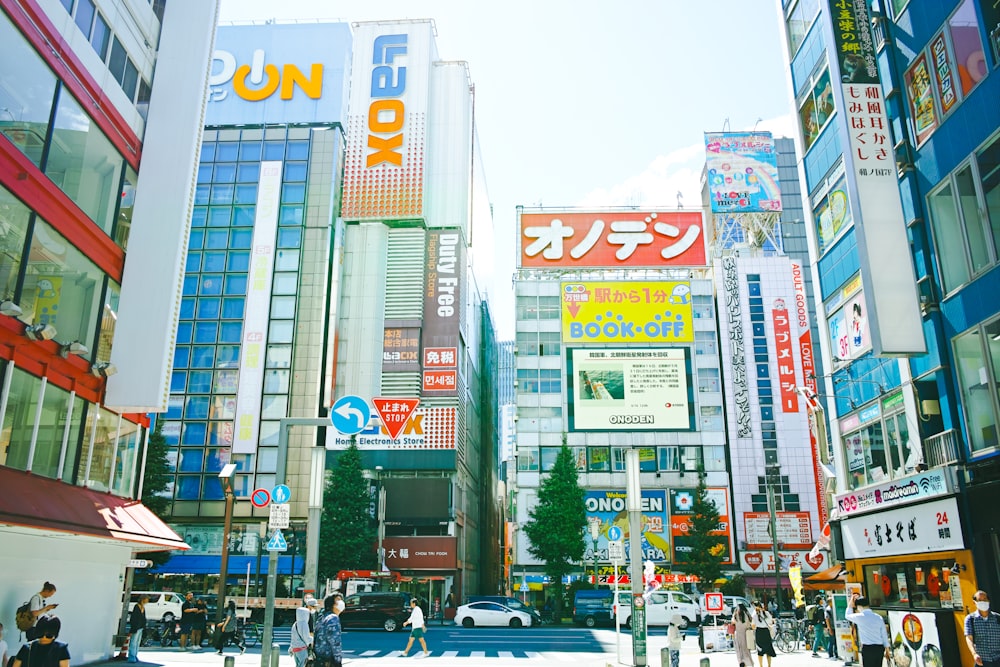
[(505, 654), (450, 654), (478, 654), (553, 656), (370, 654)]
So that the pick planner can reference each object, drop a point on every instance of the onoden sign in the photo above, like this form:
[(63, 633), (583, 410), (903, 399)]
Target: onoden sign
[(627, 312)]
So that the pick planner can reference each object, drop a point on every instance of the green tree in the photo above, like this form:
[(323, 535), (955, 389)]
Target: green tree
[(707, 549), (347, 532), (155, 482), (557, 522)]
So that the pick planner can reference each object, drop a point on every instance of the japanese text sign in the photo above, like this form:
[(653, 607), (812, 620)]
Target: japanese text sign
[(444, 278), (742, 172), (400, 349), (627, 312), (612, 239), (794, 528), (394, 413), (780, 316), (608, 506), (933, 526)]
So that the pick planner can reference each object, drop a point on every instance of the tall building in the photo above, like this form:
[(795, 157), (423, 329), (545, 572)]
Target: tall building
[(101, 108), (330, 259), (898, 114), (617, 348)]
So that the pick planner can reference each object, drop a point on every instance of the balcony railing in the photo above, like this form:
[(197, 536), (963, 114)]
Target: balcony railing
[(942, 449)]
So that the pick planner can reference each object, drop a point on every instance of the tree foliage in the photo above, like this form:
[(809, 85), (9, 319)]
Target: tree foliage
[(347, 533), (155, 482), (557, 523), (707, 545)]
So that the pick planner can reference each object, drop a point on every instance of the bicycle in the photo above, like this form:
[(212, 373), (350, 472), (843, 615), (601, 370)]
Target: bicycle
[(250, 633), (790, 635)]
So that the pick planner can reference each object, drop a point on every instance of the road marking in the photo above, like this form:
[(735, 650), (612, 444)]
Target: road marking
[(477, 654), (450, 654), (505, 654), (532, 655), (368, 654)]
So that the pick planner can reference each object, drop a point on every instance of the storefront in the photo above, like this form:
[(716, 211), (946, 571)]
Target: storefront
[(904, 544), (429, 569)]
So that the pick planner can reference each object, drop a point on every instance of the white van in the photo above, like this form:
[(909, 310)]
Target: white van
[(162, 605), (660, 608)]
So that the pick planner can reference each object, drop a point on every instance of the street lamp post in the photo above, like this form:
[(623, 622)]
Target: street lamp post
[(226, 478), (772, 477)]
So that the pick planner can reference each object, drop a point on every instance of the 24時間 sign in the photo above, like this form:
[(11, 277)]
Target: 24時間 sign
[(611, 239), (627, 312)]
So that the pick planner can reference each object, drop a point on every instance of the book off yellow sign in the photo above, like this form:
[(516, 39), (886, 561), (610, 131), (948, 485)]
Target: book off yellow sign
[(627, 312)]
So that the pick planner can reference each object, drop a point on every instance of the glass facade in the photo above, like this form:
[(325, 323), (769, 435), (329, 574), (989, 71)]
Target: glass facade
[(205, 379)]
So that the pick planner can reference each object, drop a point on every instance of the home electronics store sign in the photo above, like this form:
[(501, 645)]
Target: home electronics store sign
[(630, 390), (627, 312), (279, 74)]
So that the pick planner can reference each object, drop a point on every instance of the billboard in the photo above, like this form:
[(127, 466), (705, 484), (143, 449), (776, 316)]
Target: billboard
[(849, 335), (627, 312), (427, 428), (630, 389), (444, 275), (911, 529), (742, 172), (420, 553), (250, 385), (611, 239), (387, 121), (805, 332), (783, 344), (873, 185), (400, 349), (682, 516), (833, 216), (794, 529), (287, 73), (609, 507)]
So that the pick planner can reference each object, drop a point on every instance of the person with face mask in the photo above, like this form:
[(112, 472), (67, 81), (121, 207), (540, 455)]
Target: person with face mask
[(44, 651), (982, 632), (338, 603)]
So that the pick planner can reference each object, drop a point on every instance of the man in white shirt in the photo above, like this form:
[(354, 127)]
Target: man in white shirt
[(872, 635), (416, 622)]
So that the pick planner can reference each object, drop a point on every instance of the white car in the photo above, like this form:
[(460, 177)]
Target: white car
[(661, 606), (490, 613)]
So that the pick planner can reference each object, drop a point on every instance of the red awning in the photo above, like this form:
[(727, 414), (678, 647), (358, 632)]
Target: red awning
[(832, 578), (50, 504)]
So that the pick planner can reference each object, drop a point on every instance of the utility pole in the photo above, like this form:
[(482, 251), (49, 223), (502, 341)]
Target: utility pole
[(772, 477), (595, 528), (633, 493)]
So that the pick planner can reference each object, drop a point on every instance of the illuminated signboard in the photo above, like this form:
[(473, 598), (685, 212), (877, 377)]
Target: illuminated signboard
[(612, 239), (630, 389), (627, 312)]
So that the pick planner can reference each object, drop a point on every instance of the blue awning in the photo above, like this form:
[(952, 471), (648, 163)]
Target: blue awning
[(208, 564)]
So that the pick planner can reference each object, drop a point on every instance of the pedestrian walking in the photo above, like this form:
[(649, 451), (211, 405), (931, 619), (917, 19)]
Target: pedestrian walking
[(982, 632), (226, 631), (416, 623), (742, 624), (301, 637), (328, 640), (872, 635), (831, 630), (818, 620), (44, 651), (199, 622), (38, 608), (675, 640), (136, 626), (763, 624), (188, 611)]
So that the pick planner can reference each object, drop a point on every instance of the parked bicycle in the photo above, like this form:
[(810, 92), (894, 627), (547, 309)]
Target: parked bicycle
[(791, 634), (249, 632)]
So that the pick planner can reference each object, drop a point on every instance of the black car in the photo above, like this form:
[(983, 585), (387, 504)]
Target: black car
[(376, 609)]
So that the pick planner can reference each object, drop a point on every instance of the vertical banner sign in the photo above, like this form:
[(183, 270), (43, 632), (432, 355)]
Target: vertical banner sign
[(400, 349), (443, 300), (387, 126), (258, 307), (805, 333), (786, 359), (734, 320), (886, 267)]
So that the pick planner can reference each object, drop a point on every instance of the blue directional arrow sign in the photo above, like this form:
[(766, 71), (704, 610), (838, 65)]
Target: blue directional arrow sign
[(614, 533), (281, 494), (350, 414), (277, 542)]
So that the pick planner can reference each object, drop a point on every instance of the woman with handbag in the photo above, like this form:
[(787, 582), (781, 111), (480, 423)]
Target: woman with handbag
[(301, 640), (742, 626), (763, 624)]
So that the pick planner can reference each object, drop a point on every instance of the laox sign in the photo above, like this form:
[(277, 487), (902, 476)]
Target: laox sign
[(387, 112)]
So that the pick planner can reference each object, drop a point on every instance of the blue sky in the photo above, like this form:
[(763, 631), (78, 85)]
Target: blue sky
[(591, 103)]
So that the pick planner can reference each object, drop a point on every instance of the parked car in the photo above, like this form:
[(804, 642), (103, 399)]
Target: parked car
[(384, 609), (513, 603), (162, 605), (661, 606), (491, 613), (594, 607)]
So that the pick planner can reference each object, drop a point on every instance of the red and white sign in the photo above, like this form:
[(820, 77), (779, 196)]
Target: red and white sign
[(714, 603), (762, 562), (786, 359), (394, 413), (805, 333), (260, 498), (794, 528), (440, 357), (440, 380), (612, 239)]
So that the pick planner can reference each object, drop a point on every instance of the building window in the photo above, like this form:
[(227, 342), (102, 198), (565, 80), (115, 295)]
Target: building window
[(527, 460), (618, 459), (988, 164), (14, 217), (963, 26), (598, 459), (816, 107), (799, 21), (26, 93), (977, 355)]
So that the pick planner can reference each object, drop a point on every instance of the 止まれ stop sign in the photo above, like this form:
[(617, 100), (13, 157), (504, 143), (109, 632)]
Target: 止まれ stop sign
[(394, 412)]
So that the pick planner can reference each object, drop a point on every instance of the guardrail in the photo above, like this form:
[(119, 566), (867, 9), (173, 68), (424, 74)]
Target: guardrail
[(942, 448)]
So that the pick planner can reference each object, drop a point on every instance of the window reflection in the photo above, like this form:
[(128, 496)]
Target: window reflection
[(26, 93), (14, 217)]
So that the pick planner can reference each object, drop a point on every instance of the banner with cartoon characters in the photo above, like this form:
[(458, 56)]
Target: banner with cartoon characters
[(609, 508)]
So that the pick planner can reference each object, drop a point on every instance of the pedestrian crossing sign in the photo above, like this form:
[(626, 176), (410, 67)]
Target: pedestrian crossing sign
[(277, 542)]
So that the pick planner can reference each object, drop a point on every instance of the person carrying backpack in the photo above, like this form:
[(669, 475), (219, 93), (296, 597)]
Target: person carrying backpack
[(327, 639), (818, 620), (27, 615)]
